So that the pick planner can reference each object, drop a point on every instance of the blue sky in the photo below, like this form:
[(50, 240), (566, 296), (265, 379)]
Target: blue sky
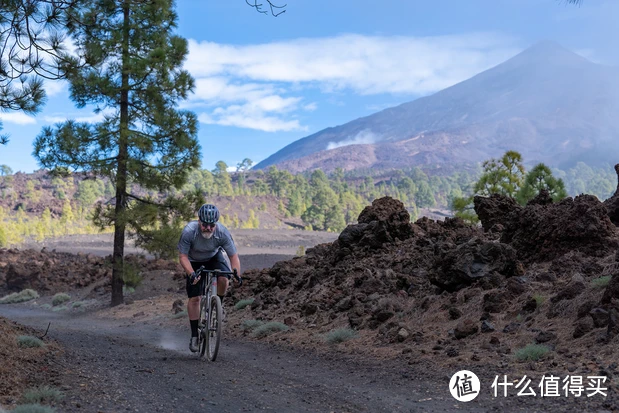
[(264, 82)]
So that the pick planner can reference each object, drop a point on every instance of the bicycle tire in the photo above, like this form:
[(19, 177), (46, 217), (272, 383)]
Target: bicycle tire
[(202, 328), (213, 335)]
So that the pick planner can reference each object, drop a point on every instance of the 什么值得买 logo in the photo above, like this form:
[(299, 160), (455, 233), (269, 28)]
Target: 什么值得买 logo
[(464, 386)]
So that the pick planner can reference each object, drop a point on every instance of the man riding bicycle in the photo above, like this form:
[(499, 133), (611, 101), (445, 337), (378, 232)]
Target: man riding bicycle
[(201, 244)]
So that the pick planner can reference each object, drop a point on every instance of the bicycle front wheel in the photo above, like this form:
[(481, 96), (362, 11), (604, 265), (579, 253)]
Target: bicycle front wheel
[(213, 334), (202, 327)]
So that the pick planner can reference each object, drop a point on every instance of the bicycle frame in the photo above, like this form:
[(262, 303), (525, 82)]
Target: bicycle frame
[(210, 285)]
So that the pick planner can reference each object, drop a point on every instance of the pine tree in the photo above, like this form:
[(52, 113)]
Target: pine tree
[(132, 71), (540, 177), (222, 180), (32, 49), (500, 176)]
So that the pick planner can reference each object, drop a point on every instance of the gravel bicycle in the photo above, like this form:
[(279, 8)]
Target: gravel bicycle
[(211, 313)]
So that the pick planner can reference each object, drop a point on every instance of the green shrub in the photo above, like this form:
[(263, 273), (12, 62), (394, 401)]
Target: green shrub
[(532, 352), (4, 239), (249, 325), (43, 394), (243, 303), (20, 297), (46, 306), (601, 282), (539, 299), (60, 298), (161, 241), (340, 335), (131, 275), (268, 329), (61, 308), (29, 342), (301, 251), (33, 408), (128, 290), (77, 304)]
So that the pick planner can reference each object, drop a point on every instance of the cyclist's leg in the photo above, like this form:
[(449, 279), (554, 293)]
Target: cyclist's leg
[(193, 293), (193, 305)]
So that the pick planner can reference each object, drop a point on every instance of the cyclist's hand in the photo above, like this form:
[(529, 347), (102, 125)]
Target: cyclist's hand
[(238, 281), (194, 278)]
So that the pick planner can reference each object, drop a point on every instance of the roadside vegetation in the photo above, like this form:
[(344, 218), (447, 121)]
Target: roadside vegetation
[(41, 395), (268, 329), (60, 298), (243, 303), (532, 352), (340, 335), (322, 202), (20, 297), (29, 342), (250, 325)]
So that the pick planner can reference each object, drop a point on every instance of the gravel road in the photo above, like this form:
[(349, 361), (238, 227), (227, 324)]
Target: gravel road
[(107, 368), (111, 369)]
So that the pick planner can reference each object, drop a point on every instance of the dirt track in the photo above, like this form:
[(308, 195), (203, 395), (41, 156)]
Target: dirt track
[(149, 369), (248, 242), (112, 366)]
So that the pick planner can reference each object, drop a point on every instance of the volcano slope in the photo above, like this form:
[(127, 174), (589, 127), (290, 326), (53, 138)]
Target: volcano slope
[(454, 295)]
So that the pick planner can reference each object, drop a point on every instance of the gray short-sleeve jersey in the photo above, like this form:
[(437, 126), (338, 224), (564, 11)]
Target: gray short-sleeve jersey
[(199, 248)]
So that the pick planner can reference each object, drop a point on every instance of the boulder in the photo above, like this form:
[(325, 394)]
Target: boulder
[(465, 328), (612, 203)]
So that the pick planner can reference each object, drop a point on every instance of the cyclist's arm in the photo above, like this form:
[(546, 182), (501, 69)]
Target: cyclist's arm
[(236, 263), (184, 260)]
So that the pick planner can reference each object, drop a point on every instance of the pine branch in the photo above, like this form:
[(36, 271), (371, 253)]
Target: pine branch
[(258, 7)]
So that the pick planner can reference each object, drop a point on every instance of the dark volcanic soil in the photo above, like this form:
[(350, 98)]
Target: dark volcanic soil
[(143, 367)]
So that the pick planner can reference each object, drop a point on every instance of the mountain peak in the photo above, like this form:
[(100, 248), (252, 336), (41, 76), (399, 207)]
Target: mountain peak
[(547, 102), (548, 51)]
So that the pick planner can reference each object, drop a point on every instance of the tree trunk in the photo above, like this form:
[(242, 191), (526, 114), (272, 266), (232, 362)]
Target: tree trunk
[(121, 173)]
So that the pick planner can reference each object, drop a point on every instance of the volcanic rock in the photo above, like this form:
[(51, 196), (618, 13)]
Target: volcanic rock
[(543, 232), (487, 327), (545, 336), (612, 203), (582, 327), (18, 277), (178, 306), (465, 328), (600, 317), (569, 292), (473, 260)]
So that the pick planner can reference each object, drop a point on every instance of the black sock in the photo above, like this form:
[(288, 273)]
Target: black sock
[(221, 298), (194, 328)]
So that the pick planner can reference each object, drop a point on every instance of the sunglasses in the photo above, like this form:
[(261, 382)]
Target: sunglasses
[(209, 225)]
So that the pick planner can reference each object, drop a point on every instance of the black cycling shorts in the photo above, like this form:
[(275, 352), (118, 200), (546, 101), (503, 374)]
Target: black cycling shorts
[(218, 262)]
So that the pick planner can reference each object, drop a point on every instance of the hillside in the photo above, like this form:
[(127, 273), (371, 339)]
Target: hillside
[(548, 103)]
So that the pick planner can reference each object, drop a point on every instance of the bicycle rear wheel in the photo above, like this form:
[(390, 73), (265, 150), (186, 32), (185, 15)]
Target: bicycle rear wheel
[(213, 333)]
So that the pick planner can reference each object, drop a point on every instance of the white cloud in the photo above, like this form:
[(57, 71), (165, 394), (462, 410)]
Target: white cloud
[(94, 118), (243, 116), (268, 79), (310, 107), (55, 87), (362, 138), (366, 64), (19, 118)]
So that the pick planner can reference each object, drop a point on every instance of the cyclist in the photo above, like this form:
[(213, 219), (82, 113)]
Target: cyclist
[(201, 244)]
